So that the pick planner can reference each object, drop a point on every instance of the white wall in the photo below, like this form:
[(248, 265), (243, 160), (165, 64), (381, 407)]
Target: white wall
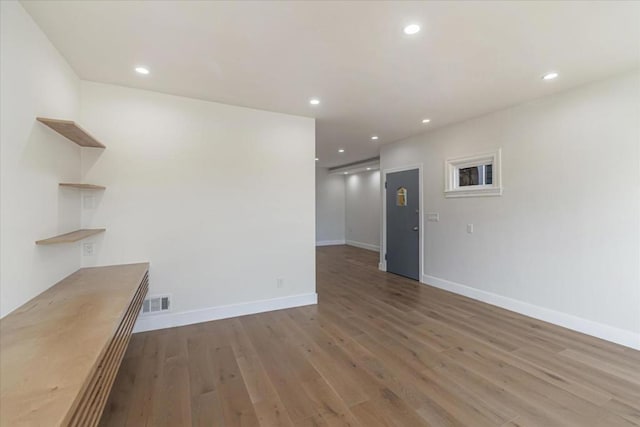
[(219, 199), (330, 208), (348, 209), (563, 242), (34, 81), (362, 209)]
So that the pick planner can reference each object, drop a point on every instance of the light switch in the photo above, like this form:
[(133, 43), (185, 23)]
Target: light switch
[(433, 216), (87, 201), (470, 228)]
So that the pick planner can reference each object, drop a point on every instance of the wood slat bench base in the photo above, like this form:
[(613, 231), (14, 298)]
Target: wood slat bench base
[(60, 352), (92, 403)]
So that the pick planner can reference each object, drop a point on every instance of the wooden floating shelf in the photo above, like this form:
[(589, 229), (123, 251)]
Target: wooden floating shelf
[(82, 186), (74, 236), (72, 131)]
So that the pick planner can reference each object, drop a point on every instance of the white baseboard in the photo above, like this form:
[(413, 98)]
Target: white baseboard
[(330, 242), (361, 245), (171, 320), (589, 327)]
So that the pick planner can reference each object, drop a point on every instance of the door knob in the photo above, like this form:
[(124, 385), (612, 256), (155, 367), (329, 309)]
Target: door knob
[(415, 228)]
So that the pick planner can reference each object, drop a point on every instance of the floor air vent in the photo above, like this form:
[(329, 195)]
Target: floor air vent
[(156, 304)]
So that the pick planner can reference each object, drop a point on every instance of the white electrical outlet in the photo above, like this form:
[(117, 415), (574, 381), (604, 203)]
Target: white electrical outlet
[(470, 228), (88, 249), (433, 216), (280, 282)]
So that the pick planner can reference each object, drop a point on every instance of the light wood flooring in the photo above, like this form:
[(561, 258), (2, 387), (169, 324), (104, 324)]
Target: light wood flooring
[(378, 350)]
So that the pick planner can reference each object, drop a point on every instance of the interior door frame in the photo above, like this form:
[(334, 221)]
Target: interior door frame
[(383, 262)]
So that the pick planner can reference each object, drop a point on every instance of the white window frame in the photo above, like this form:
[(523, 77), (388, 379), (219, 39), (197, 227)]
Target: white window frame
[(452, 176)]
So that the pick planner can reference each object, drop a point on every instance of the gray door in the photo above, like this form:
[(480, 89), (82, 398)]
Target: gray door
[(403, 222)]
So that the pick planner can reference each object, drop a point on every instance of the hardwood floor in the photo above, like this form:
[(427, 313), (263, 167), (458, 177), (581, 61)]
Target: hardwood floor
[(378, 350)]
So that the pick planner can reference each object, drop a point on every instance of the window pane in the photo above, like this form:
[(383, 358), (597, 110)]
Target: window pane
[(475, 175), (401, 197), (468, 176)]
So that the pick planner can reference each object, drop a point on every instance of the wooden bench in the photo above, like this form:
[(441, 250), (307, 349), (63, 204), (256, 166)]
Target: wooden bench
[(60, 352)]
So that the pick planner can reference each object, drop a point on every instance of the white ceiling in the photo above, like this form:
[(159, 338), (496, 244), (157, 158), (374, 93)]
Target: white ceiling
[(470, 57)]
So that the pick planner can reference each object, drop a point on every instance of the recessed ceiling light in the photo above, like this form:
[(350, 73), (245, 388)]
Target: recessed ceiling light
[(346, 173), (368, 169), (411, 29), (550, 76), (317, 159), (314, 101), (341, 150), (426, 120), (374, 137), (142, 70)]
